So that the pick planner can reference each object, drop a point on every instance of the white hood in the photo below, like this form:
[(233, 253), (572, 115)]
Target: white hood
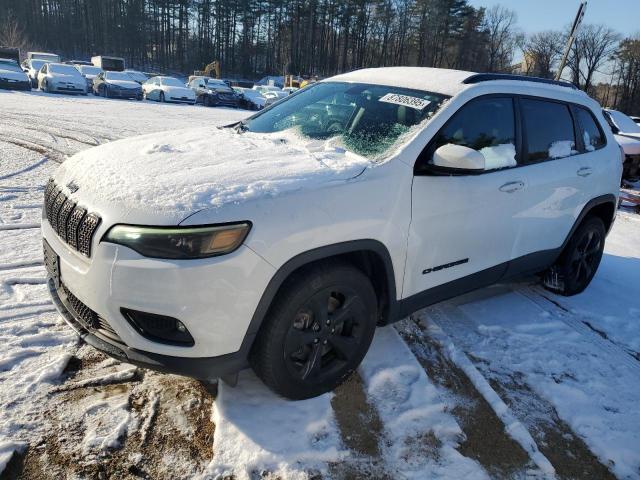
[(631, 146), (124, 83), (188, 170)]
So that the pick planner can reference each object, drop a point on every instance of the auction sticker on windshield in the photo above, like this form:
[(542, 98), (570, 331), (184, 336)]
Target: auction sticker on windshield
[(405, 100)]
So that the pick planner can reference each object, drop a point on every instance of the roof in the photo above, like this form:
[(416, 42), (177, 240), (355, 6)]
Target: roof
[(438, 80)]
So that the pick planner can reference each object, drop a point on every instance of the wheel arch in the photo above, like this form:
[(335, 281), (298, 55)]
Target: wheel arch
[(370, 256), (603, 207)]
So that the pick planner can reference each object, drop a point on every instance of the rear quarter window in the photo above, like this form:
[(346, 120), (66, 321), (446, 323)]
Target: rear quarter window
[(591, 134), (549, 130)]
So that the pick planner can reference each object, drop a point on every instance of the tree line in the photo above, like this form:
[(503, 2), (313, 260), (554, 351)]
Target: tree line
[(252, 38)]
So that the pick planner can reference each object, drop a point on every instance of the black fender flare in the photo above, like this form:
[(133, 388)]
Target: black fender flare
[(365, 245)]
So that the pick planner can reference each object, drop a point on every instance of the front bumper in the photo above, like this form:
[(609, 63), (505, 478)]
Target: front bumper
[(129, 94), (190, 101), (67, 89), (214, 298), (200, 368), (14, 85)]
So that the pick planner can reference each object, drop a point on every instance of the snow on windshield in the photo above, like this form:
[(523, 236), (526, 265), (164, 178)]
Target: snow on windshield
[(365, 119), (172, 82), (63, 69)]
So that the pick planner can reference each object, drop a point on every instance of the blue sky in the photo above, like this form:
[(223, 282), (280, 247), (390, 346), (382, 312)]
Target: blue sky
[(536, 15)]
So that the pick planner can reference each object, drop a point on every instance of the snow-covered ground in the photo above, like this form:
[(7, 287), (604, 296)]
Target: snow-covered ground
[(508, 382)]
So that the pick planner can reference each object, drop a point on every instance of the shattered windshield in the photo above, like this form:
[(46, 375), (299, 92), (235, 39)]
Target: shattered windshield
[(365, 119)]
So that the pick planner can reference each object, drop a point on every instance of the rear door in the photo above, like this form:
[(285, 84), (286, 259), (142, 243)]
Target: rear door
[(466, 222), (554, 168)]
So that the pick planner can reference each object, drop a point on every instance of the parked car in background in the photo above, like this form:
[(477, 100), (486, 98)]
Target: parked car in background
[(168, 89), (47, 57), (89, 72), (213, 93), (78, 62), (61, 78), (111, 84), (137, 76), (250, 99), (112, 64), (635, 119), (290, 90), (627, 134), (32, 68), (270, 93), (12, 77), (11, 53)]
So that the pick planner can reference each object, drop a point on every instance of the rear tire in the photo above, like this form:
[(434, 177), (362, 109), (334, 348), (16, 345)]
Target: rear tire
[(162, 97), (573, 271), (316, 332)]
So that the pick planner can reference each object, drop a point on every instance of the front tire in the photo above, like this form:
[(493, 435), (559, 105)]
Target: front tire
[(579, 261), (162, 97), (317, 331)]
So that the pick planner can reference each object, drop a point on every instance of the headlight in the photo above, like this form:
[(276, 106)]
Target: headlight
[(180, 243)]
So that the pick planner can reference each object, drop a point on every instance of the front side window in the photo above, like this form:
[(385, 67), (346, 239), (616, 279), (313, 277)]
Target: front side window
[(486, 125), (592, 136), (365, 119), (549, 130)]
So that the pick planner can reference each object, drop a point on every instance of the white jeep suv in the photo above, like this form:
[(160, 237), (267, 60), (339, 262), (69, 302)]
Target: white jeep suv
[(280, 242)]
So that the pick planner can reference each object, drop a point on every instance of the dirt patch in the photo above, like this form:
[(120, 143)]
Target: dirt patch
[(361, 430), (485, 438), (162, 427), (567, 452)]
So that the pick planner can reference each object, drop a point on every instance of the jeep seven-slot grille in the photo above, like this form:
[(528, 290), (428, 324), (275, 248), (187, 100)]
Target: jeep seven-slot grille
[(90, 319), (72, 223)]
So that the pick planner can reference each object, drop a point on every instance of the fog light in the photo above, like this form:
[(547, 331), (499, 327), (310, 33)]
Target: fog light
[(159, 328)]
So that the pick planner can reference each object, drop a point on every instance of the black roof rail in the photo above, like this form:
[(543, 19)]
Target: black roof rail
[(486, 77)]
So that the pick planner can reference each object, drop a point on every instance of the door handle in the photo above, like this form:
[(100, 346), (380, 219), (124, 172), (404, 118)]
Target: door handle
[(584, 172), (512, 187)]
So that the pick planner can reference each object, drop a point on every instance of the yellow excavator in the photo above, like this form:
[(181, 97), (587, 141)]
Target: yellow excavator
[(213, 70)]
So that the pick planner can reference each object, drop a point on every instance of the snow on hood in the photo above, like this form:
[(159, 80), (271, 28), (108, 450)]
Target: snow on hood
[(188, 170), (631, 146)]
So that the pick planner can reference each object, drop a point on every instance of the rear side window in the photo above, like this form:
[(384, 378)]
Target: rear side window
[(549, 130), (486, 125), (592, 135)]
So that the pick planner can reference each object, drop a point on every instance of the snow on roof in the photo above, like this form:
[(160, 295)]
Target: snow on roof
[(438, 80)]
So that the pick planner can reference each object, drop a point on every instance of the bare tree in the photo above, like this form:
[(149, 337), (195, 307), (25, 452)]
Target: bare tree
[(12, 34), (541, 51), (594, 46), (502, 36)]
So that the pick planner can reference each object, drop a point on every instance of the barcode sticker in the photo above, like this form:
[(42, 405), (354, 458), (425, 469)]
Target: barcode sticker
[(405, 100)]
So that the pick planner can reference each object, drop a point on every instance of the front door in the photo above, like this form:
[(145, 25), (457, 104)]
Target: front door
[(464, 222)]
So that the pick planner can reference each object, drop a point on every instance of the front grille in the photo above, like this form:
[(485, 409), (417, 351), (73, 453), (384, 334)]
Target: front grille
[(71, 222), (89, 319)]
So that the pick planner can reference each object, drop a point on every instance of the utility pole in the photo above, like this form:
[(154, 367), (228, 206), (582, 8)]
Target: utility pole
[(572, 38)]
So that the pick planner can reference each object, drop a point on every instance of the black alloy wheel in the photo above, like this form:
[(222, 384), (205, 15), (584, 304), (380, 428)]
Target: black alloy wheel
[(581, 257), (317, 332)]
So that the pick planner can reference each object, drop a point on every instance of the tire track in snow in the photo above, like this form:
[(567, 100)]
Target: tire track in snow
[(543, 300), (420, 438)]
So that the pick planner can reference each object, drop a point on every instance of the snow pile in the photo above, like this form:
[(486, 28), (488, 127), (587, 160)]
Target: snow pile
[(499, 156), (258, 431), (561, 149), (188, 170), (422, 436)]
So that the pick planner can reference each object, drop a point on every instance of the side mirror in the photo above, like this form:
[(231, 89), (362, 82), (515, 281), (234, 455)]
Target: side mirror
[(458, 156)]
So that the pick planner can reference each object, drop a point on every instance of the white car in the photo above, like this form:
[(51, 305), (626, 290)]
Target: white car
[(282, 241), (270, 93), (627, 134), (168, 89), (61, 78), (90, 73), (250, 99)]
